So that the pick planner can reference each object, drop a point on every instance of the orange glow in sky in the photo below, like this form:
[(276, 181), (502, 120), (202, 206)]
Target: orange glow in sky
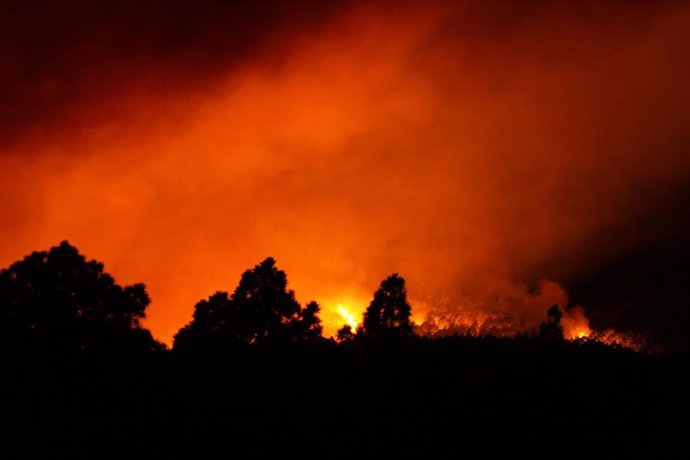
[(465, 155)]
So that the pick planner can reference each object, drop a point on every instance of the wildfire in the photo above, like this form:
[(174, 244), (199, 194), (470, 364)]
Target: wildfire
[(628, 340), (348, 317), (575, 328), (576, 324)]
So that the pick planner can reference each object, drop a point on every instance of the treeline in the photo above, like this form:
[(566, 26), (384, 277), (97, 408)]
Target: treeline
[(58, 300), (251, 376)]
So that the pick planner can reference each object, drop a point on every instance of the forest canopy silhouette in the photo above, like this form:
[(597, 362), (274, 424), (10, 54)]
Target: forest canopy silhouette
[(82, 374), (57, 299)]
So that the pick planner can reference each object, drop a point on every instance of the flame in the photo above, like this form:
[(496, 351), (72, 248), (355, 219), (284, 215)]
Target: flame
[(576, 324), (631, 341), (348, 317)]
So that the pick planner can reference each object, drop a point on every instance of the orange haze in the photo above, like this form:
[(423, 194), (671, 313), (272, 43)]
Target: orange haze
[(483, 158)]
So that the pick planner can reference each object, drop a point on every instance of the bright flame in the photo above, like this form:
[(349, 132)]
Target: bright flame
[(575, 323), (348, 317)]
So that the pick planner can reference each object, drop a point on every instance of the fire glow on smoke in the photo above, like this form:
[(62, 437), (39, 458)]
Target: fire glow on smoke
[(467, 148)]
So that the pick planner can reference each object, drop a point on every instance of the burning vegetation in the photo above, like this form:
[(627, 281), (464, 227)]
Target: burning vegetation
[(83, 374), (261, 309), (573, 323)]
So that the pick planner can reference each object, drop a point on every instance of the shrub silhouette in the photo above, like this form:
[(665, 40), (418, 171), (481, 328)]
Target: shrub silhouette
[(552, 329), (388, 314), (261, 309), (57, 300)]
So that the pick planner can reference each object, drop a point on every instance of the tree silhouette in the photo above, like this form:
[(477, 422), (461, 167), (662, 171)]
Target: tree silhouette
[(213, 319), (260, 309), (345, 333), (58, 300), (551, 329), (388, 315), (308, 324)]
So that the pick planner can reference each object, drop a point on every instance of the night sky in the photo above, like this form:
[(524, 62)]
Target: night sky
[(501, 156)]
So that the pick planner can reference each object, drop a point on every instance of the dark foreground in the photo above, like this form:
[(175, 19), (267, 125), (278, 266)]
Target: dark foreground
[(455, 397)]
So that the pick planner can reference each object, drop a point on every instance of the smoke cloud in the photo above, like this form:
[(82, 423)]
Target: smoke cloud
[(488, 152)]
